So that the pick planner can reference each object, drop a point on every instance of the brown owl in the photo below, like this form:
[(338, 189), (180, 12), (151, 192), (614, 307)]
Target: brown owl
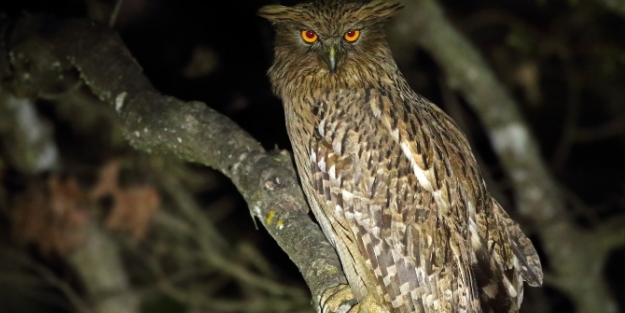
[(390, 178)]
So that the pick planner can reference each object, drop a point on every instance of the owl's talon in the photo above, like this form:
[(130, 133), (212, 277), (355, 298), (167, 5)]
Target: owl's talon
[(338, 299)]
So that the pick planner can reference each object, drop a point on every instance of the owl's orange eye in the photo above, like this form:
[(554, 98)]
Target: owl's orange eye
[(309, 36), (352, 35)]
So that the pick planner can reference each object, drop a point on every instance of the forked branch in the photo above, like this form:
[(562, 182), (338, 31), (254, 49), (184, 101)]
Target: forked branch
[(43, 57)]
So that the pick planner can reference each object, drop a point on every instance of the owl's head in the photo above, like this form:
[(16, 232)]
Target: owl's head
[(330, 33)]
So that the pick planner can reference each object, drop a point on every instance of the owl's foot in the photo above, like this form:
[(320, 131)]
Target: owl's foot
[(340, 299)]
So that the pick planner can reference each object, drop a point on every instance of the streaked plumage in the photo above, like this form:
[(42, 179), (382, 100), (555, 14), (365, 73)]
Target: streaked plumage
[(388, 175)]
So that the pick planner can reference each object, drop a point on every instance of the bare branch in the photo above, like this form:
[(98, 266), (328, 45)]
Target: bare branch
[(49, 277), (43, 54), (100, 267), (209, 241), (611, 235), (615, 127)]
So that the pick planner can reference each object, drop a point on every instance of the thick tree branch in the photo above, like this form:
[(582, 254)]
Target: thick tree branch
[(43, 57), (538, 197)]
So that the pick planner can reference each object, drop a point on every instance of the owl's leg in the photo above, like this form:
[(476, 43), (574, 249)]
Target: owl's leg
[(337, 299)]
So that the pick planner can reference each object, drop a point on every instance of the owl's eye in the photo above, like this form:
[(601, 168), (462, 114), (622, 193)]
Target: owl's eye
[(352, 35), (309, 36)]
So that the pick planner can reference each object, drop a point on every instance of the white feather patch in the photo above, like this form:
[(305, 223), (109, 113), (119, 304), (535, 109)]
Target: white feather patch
[(438, 197), (395, 134), (397, 302), (337, 146), (321, 127), (511, 289), (418, 171), (375, 108), (347, 196), (404, 288), (332, 172), (322, 164)]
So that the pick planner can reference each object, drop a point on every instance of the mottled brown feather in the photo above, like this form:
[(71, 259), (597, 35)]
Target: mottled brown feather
[(389, 176)]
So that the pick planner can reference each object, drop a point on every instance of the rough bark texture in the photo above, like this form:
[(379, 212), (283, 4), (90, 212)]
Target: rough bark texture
[(44, 57)]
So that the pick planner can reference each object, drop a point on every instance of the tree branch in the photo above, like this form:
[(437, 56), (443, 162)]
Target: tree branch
[(611, 235), (100, 267), (44, 56), (49, 276)]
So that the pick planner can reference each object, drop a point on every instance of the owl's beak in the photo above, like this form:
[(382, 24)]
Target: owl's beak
[(331, 59)]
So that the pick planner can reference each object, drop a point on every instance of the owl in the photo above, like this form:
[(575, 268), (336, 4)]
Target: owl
[(390, 178)]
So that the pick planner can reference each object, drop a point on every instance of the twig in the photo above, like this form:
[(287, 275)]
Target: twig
[(611, 234), (50, 277), (581, 208), (615, 127), (221, 305), (210, 242), (191, 211), (113, 18)]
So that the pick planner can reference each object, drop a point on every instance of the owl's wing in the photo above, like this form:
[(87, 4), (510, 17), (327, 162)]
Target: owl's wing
[(528, 261), (408, 190)]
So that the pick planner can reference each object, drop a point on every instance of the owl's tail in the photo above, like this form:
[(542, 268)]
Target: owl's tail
[(504, 263)]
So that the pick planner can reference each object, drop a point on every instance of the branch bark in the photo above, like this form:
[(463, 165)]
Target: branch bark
[(43, 57), (100, 266)]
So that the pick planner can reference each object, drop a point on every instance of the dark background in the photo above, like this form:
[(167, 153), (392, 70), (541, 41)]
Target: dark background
[(563, 61)]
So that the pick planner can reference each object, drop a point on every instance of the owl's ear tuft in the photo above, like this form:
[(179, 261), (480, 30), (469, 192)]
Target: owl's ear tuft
[(380, 10), (275, 13)]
